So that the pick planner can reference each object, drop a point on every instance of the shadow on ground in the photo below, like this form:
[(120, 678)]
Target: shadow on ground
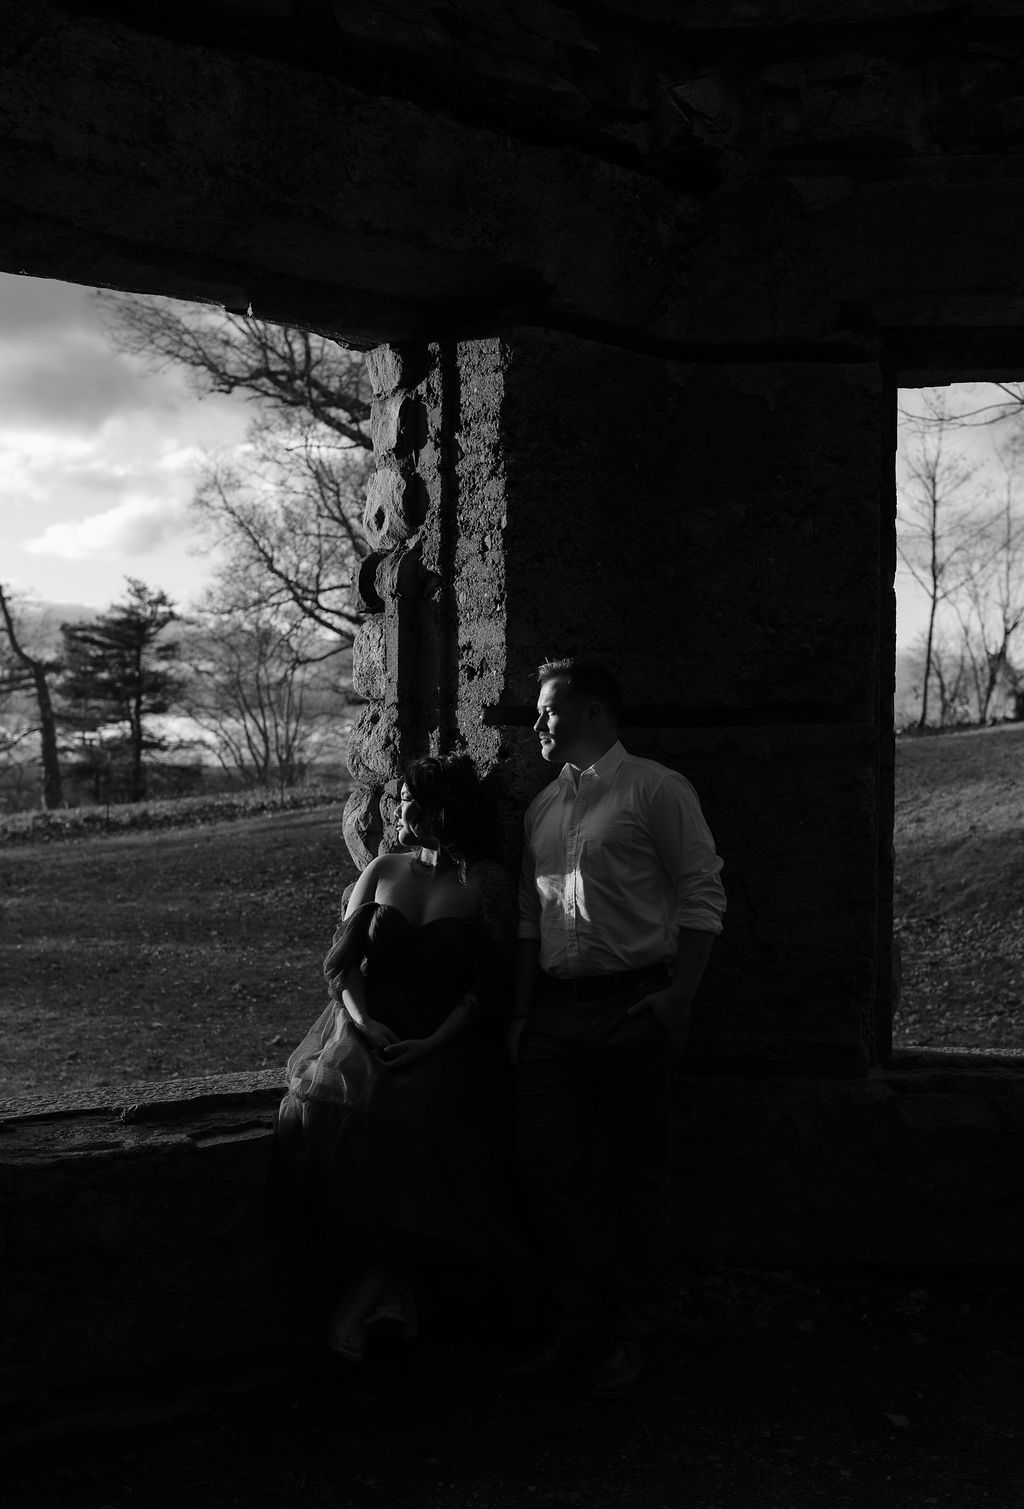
[(770, 1391)]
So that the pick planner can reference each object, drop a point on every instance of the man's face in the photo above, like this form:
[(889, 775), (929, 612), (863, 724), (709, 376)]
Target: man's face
[(562, 723)]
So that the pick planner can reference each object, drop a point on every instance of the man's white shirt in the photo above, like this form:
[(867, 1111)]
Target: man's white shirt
[(613, 867)]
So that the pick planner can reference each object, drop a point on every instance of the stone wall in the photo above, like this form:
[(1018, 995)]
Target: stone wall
[(761, 178), (714, 533)]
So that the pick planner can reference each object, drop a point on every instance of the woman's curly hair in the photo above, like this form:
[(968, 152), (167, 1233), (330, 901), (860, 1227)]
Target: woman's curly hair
[(454, 803)]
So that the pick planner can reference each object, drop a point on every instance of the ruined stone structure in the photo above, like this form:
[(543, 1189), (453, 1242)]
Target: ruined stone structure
[(640, 278)]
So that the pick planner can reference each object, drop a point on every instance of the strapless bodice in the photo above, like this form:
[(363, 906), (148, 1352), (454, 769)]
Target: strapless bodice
[(431, 962)]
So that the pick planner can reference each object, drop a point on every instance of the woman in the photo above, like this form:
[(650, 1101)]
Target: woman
[(391, 1095)]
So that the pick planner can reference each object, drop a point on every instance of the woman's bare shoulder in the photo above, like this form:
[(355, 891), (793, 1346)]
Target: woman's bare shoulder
[(394, 862), (385, 868)]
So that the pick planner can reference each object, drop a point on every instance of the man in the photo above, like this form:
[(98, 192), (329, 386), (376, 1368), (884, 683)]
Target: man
[(620, 901)]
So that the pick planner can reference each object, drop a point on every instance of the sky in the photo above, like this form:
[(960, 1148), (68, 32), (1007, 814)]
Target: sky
[(976, 446), (98, 456)]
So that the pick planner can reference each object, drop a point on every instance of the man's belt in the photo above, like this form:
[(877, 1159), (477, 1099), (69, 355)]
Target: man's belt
[(596, 987)]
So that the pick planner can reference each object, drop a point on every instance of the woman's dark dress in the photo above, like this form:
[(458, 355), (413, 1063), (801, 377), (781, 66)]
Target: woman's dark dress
[(408, 1160)]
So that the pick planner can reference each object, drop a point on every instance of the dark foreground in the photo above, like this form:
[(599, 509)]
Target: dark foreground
[(773, 1392)]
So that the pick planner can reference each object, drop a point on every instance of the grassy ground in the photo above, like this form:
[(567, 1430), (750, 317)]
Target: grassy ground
[(146, 955), (960, 888), (153, 951)]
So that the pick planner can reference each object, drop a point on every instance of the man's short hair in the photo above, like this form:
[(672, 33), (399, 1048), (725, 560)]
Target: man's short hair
[(586, 678)]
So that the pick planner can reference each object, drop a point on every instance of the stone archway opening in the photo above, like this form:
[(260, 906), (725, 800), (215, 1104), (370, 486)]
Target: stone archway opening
[(192, 922), (960, 608)]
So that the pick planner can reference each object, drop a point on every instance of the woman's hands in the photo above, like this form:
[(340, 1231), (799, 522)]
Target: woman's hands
[(402, 1055), (376, 1034)]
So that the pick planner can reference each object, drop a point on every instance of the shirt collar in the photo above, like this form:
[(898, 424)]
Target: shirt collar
[(604, 767)]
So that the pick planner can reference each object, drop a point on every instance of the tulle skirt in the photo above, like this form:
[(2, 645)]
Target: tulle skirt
[(410, 1166)]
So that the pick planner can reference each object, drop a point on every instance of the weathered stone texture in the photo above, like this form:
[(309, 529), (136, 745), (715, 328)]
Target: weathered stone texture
[(765, 179), (387, 519), (376, 746), (369, 668), (391, 423), (723, 549), (362, 825), (386, 369), (722, 532), (397, 656)]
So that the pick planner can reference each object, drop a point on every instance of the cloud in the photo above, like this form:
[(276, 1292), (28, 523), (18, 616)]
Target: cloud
[(134, 528), (74, 382), (34, 307), (59, 370), (99, 455)]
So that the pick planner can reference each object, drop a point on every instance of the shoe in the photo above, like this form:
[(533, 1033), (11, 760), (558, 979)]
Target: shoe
[(558, 1357), (346, 1333), (618, 1373), (397, 1307)]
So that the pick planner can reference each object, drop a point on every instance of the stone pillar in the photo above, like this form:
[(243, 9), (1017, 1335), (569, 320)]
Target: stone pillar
[(713, 532), (429, 656), (394, 649)]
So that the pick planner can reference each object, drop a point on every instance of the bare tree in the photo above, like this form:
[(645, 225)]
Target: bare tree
[(263, 690), (286, 517), (23, 670), (940, 542), (292, 371), (286, 511), (992, 609)]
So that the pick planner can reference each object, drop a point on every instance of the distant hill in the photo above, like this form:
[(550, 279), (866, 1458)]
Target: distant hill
[(41, 621)]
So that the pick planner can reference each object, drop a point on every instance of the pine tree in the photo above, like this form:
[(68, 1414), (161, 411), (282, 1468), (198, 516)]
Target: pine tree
[(120, 672)]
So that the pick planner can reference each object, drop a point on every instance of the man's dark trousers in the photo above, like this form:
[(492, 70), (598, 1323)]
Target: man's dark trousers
[(594, 1149)]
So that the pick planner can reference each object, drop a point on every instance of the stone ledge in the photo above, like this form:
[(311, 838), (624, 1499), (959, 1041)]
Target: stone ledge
[(141, 1237), (147, 1100), (252, 1096)]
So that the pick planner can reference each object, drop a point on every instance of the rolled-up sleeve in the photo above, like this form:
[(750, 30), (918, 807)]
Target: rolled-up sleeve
[(686, 849)]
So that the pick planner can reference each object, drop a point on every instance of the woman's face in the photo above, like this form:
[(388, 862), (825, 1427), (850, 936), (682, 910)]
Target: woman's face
[(413, 832)]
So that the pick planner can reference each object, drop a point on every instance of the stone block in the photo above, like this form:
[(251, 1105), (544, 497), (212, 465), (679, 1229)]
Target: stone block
[(362, 825), (400, 574), (387, 520), (385, 369), (391, 421), (368, 660), (375, 746)]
